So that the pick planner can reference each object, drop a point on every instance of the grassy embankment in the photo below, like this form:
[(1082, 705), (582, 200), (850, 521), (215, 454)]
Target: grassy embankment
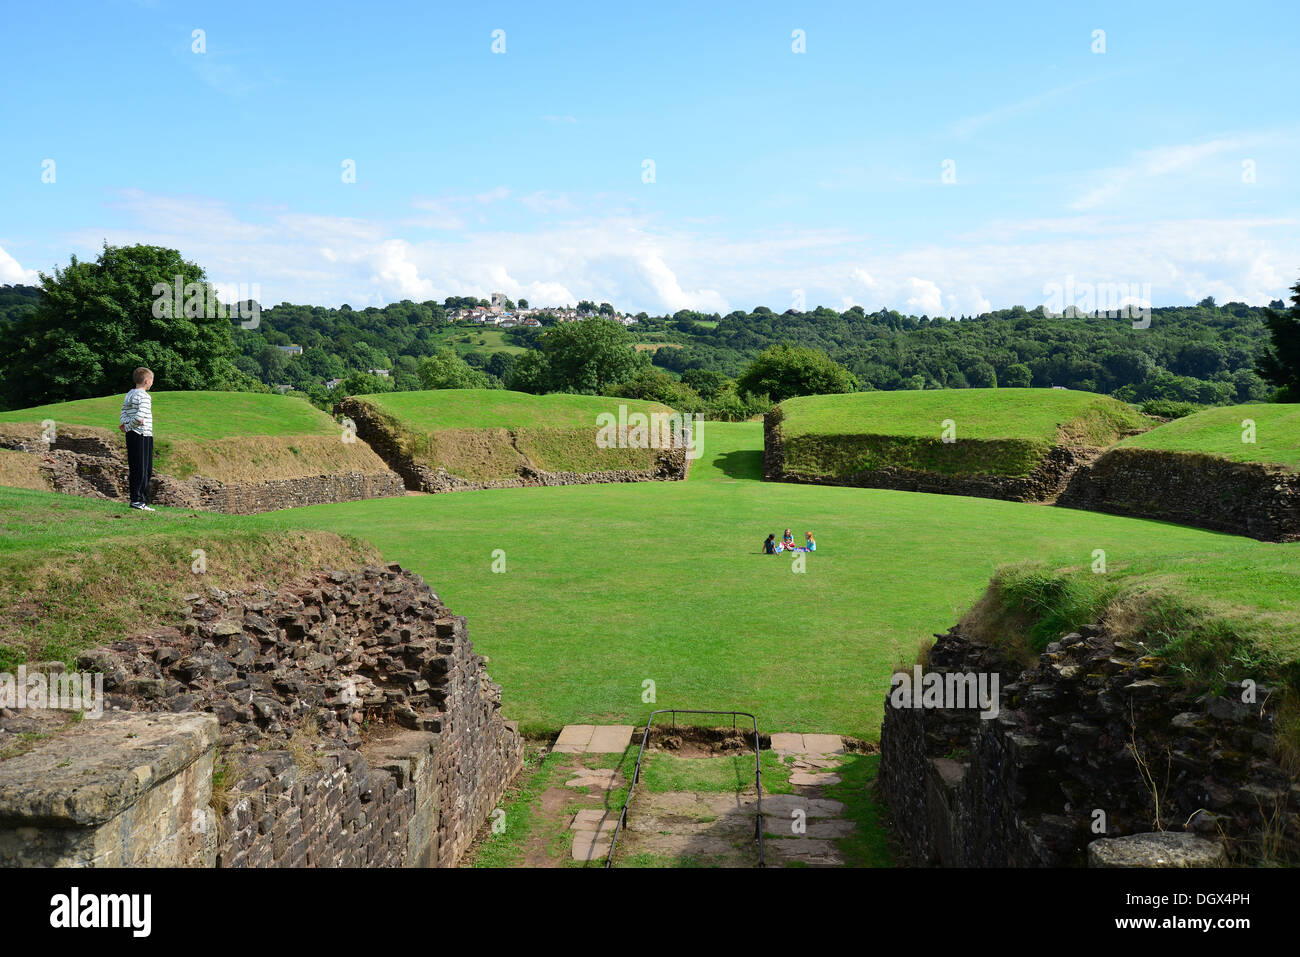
[(996, 431), (488, 435), (227, 436)]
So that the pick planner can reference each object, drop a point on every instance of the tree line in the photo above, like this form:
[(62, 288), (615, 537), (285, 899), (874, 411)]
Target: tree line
[(84, 327)]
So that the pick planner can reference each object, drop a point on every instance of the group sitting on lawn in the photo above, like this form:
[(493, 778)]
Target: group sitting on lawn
[(771, 546)]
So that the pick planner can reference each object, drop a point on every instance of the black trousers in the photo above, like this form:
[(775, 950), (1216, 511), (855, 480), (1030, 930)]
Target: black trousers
[(139, 460)]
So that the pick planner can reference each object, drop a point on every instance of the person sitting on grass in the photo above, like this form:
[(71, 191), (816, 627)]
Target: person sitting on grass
[(769, 545), (810, 543), (787, 540)]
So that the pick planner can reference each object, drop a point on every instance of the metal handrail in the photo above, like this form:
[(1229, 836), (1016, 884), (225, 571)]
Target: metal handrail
[(636, 774)]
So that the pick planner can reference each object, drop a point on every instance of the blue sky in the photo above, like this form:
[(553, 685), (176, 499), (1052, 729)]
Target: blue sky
[(780, 178)]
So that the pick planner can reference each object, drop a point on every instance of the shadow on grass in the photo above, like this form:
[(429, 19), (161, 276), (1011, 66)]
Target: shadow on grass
[(746, 464)]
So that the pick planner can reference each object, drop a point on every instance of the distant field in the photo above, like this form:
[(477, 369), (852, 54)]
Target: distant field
[(1219, 432), (995, 431), (484, 339)]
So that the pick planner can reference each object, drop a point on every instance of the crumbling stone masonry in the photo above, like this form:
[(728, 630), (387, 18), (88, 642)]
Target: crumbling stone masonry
[(1244, 498), (348, 720), (1096, 725)]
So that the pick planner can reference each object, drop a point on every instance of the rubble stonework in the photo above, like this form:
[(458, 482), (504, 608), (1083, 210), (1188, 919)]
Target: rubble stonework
[(357, 725), (1023, 789), (1244, 498), (670, 465)]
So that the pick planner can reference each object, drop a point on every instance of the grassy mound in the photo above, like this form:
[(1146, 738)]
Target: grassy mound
[(1003, 432), (1219, 432), (486, 435), (227, 436), (76, 572)]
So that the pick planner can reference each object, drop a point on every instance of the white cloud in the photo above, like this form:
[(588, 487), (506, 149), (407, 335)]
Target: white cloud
[(925, 297), (1149, 165), (637, 262), (11, 273)]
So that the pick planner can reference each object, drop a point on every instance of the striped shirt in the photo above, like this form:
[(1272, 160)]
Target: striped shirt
[(137, 412)]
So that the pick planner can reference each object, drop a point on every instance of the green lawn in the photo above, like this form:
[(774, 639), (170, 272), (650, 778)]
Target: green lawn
[(499, 409), (194, 415), (1220, 432), (607, 586), (1032, 414)]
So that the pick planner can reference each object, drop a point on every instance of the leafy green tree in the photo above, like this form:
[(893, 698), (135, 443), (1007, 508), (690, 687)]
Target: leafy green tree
[(523, 303), (590, 356), (1280, 363), (97, 321), (530, 373), (363, 383), (784, 371), (658, 386), (707, 382), (1017, 376), (446, 370)]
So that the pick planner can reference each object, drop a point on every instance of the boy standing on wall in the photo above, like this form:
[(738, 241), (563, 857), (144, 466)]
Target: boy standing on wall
[(137, 423)]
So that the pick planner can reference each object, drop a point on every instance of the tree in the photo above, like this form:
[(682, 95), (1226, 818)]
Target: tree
[(530, 373), (707, 382), (784, 371), (1017, 376), (523, 303), (589, 356), (1280, 363), (97, 321), (363, 383), (446, 370)]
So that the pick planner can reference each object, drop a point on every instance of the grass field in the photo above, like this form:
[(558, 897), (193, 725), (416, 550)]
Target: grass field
[(1219, 432), (472, 338), (608, 586)]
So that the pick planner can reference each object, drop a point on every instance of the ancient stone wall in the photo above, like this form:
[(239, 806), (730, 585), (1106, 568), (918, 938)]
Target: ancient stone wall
[(82, 462), (1043, 483), (353, 723), (1096, 726), (1243, 498), (670, 465)]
